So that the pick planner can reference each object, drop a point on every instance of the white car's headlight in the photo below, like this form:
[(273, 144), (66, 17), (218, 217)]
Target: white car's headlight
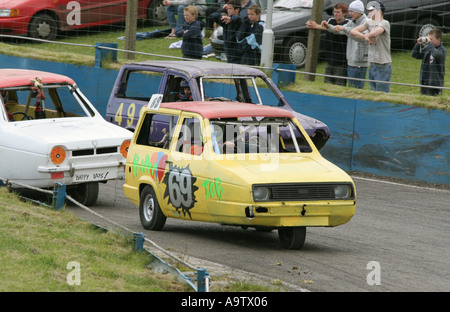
[(58, 155), (342, 191), (261, 193)]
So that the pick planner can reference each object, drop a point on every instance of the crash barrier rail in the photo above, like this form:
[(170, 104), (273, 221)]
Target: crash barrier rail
[(109, 51), (58, 202)]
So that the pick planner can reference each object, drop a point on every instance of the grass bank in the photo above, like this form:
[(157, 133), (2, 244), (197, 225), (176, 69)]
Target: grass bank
[(43, 249), (405, 68)]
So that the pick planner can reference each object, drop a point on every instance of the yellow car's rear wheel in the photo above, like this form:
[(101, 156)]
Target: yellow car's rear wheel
[(150, 213)]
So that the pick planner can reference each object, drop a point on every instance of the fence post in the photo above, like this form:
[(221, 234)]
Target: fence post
[(105, 54), (283, 78), (59, 196), (202, 280), (139, 239)]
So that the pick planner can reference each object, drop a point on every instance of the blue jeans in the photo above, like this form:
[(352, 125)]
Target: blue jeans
[(177, 10), (380, 72), (356, 72)]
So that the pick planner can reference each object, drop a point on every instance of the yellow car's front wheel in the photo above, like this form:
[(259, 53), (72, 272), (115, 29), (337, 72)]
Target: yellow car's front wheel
[(292, 237), (150, 213)]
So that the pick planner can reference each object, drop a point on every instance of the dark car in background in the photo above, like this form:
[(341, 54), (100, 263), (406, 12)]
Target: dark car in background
[(46, 18), (409, 19)]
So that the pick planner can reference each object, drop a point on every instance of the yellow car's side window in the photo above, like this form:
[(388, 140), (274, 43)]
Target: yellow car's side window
[(157, 130)]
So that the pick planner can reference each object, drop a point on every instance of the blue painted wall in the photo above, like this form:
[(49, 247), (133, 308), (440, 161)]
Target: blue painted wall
[(381, 138)]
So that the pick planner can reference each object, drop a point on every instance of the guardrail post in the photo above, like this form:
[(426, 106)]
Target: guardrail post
[(283, 78), (139, 240), (202, 280), (105, 54), (59, 196)]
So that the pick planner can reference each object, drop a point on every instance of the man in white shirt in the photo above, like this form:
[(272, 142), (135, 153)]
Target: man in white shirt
[(379, 39)]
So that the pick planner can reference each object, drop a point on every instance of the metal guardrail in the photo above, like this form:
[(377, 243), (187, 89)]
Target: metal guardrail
[(201, 282)]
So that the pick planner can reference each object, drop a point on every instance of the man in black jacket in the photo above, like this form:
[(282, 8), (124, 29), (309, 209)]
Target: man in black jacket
[(230, 24), (336, 45), (432, 52)]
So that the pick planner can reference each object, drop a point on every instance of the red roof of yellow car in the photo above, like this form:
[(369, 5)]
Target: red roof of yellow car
[(11, 77), (228, 109)]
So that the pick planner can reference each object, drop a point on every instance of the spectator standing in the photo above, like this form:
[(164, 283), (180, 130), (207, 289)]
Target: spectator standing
[(230, 24), (245, 4), (176, 7), (216, 6), (249, 37), (262, 4), (433, 53), (379, 39), (336, 45), (191, 32), (357, 49)]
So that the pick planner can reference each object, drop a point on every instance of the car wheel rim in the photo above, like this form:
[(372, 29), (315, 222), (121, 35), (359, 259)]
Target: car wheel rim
[(149, 208), (160, 13), (297, 54), (43, 30), (425, 29)]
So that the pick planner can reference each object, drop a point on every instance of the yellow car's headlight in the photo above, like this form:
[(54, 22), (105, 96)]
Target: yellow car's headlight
[(342, 191), (261, 193)]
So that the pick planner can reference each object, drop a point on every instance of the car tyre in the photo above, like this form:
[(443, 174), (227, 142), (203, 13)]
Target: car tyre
[(156, 13), (292, 237), (295, 51), (43, 26), (85, 193), (150, 213), (424, 27)]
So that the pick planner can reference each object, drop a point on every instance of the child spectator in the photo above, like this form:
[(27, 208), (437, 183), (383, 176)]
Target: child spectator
[(249, 37), (432, 53), (191, 31), (176, 7), (230, 24)]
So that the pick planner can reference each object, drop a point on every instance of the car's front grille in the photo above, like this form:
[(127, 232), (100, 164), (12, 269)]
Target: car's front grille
[(304, 191), (92, 151)]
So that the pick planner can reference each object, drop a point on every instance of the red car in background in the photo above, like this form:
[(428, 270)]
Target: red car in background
[(45, 18)]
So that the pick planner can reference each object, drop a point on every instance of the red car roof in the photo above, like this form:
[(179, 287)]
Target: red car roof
[(21, 77), (211, 110)]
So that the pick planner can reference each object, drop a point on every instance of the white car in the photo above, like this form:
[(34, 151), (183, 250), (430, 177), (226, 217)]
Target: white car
[(50, 132)]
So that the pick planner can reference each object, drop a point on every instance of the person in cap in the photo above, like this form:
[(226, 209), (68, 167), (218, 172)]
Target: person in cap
[(432, 53), (357, 49), (379, 39)]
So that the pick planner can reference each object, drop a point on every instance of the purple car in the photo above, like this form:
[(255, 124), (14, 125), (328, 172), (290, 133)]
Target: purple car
[(198, 81)]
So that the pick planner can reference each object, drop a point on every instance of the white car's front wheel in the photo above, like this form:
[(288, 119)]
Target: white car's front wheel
[(85, 193)]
